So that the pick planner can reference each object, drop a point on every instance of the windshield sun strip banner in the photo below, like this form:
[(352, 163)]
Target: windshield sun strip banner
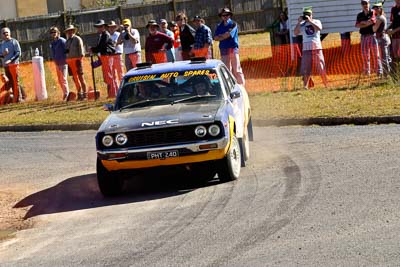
[(211, 73)]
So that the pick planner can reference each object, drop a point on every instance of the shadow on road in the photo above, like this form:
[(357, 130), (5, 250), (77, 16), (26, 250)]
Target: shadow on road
[(82, 192)]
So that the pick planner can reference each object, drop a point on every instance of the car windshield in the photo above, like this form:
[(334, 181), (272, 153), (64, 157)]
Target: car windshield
[(169, 88)]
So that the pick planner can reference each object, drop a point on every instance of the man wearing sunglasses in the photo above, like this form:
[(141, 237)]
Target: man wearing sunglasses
[(227, 35), (369, 45)]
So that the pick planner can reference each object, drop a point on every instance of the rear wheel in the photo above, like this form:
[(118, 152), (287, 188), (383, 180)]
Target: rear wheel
[(244, 147), (109, 183), (229, 167)]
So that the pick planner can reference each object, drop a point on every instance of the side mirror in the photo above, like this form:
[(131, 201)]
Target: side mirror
[(235, 94), (108, 107)]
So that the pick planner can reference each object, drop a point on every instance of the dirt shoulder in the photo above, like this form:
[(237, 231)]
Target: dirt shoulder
[(12, 219)]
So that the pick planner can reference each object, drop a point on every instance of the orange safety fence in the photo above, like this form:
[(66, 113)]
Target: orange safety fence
[(266, 68), (202, 52), (158, 57)]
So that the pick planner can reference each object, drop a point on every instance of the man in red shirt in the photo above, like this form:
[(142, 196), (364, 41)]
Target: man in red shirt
[(155, 41)]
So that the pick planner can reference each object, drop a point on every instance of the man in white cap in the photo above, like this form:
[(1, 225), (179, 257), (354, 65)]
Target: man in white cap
[(75, 53), (310, 29), (369, 45)]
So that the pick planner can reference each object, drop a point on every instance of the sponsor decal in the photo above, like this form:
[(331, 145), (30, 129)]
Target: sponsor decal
[(159, 123)]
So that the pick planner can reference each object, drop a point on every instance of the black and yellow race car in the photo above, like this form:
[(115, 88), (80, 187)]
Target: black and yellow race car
[(187, 113)]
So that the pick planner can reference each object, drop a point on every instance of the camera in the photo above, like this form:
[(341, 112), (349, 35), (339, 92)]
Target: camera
[(305, 15)]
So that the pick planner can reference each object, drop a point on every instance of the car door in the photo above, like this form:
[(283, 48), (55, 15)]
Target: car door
[(235, 96)]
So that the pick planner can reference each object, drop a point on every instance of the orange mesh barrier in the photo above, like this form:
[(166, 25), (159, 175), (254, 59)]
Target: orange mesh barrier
[(201, 52), (158, 57), (266, 68), (134, 58)]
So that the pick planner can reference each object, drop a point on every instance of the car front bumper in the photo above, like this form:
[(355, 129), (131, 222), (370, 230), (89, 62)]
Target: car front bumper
[(129, 158)]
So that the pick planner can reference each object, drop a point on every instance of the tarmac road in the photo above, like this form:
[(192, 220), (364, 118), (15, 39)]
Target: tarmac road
[(310, 196)]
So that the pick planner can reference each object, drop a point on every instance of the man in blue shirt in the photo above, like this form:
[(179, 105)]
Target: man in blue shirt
[(202, 39), (11, 51), (58, 54), (227, 35)]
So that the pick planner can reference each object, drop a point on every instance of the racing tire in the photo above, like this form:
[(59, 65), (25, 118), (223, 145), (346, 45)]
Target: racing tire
[(204, 171), (244, 148), (109, 183), (250, 129), (229, 167)]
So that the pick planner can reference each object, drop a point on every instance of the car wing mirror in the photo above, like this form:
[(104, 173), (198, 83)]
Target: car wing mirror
[(108, 107), (235, 94)]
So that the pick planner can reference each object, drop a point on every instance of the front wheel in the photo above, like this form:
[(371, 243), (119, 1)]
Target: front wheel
[(109, 183), (229, 167)]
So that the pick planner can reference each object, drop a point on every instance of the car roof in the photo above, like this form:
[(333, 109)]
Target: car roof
[(174, 66)]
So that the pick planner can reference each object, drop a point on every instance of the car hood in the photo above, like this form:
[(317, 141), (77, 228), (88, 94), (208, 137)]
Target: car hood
[(160, 116)]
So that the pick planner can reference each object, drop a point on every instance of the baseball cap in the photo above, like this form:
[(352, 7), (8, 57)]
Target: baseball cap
[(307, 9), (377, 4)]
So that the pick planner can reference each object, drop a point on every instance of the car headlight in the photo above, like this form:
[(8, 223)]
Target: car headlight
[(107, 140), (200, 131), (214, 130), (121, 139)]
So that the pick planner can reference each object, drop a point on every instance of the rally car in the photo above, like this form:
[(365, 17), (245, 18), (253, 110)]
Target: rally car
[(187, 113)]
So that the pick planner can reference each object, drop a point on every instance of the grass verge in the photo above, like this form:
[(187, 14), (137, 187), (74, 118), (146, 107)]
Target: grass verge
[(300, 104)]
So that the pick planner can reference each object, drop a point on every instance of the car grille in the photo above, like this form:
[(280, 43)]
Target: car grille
[(160, 137)]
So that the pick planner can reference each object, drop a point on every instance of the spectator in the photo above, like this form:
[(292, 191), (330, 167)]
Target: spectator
[(75, 54), (365, 21), (105, 47), (283, 32), (187, 34), (177, 41), (381, 36), (130, 39), (310, 29), (202, 39), (394, 31), (227, 35), (164, 29), (156, 43), (117, 58), (58, 54), (6, 92), (11, 51)]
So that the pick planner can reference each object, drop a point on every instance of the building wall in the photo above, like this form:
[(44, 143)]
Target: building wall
[(8, 9), (88, 3), (335, 15), (72, 4), (27, 8)]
